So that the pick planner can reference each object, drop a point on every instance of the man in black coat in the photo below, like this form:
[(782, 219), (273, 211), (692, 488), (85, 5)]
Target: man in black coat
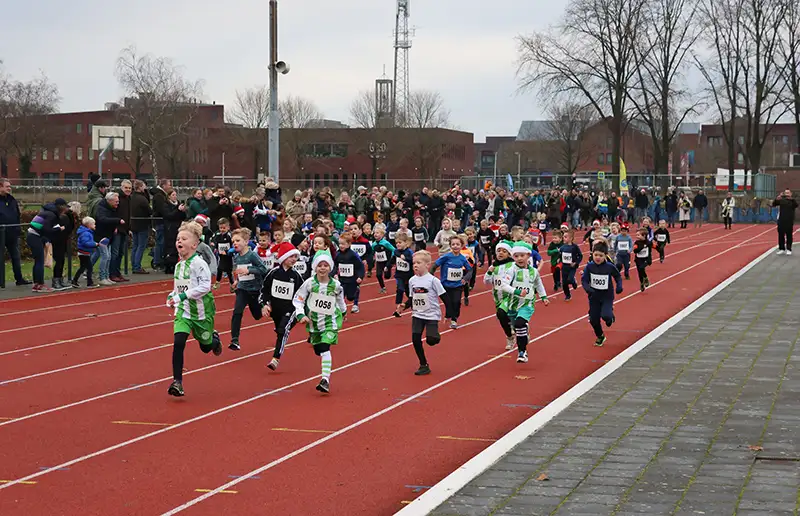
[(786, 211), (700, 202), (139, 224), (107, 222), (159, 195), (9, 217), (119, 244)]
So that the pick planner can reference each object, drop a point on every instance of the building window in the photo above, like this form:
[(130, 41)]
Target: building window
[(78, 128), (608, 159), (89, 127), (50, 178), (609, 142), (91, 154), (115, 155), (715, 141), (780, 140), (316, 180), (56, 154), (335, 179), (79, 153), (384, 179), (44, 154), (784, 159), (601, 159), (339, 150), (326, 179), (308, 180), (67, 153), (34, 155), (741, 140), (72, 178), (740, 158)]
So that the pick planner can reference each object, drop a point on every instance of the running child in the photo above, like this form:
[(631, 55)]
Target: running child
[(643, 252), (391, 228), (622, 251), (382, 249), (222, 243), (303, 263), (661, 239), (203, 250), (403, 260), (543, 226), (403, 230), (248, 277), (442, 238), (571, 257), (486, 238), (597, 283), (612, 242), (350, 270), (426, 290), (554, 252), (360, 244), (469, 276), (263, 250), (319, 304), (277, 295), (454, 266), (521, 283), (193, 302), (493, 277), (420, 235), (473, 245)]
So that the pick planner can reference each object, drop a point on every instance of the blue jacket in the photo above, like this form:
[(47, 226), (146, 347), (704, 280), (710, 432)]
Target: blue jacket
[(349, 257), (597, 280), (86, 243), (450, 261), (9, 214)]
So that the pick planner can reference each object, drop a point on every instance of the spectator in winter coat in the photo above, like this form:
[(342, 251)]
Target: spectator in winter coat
[(641, 203), (196, 205), (69, 221), (10, 217), (700, 202), (671, 205), (272, 192), (44, 227), (108, 223), (96, 195), (139, 224), (159, 195), (119, 244)]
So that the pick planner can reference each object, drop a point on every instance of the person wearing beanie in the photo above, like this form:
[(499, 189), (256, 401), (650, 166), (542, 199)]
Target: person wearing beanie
[(349, 268), (493, 277), (454, 267), (597, 282), (44, 227), (277, 293), (248, 274), (319, 304), (521, 282), (554, 252)]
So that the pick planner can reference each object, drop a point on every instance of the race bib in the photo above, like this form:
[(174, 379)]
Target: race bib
[(267, 261), (599, 281), (419, 302), (454, 274), (392, 235), (282, 290), (380, 256), (322, 303), (542, 226), (419, 237), (181, 285), (243, 274), (661, 237), (566, 258), (624, 246), (346, 270), (300, 266), (535, 239), (402, 265), (497, 283), (644, 253), (223, 248), (485, 240), (359, 249)]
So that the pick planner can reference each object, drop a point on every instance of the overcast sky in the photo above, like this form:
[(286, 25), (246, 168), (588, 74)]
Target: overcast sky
[(464, 49)]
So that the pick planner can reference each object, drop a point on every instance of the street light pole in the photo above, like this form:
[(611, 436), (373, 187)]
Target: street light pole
[(274, 122), (519, 167)]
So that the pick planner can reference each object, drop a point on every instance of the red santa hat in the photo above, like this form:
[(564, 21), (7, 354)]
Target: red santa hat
[(239, 211), (564, 227), (202, 220), (285, 250)]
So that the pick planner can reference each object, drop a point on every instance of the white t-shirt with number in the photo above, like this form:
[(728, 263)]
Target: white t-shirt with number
[(425, 291)]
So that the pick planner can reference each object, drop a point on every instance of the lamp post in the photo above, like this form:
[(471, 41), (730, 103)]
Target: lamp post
[(519, 168), (275, 66)]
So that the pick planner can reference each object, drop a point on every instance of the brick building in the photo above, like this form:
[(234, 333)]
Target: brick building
[(323, 155)]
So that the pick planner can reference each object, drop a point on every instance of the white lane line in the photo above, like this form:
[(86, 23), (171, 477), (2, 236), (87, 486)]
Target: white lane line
[(459, 478), (409, 399), (113, 332), (312, 378)]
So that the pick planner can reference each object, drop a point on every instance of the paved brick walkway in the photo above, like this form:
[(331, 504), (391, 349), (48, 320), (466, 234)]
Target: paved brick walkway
[(705, 420)]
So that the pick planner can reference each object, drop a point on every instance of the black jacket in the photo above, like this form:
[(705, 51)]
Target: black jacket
[(281, 302), (9, 214), (786, 208), (140, 212), (107, 221), (159, 204), (124, 211)]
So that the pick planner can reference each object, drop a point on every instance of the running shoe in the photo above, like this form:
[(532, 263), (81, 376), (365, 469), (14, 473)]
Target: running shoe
[(382, 291), (510, 343), (354, 309), (234, 345), (522, 358), (466, 301), (453, 325), (396, 314), (324, 386), (641, 287), (273, 365), (423, 370), (176, 388), (600, 341), (217, 344)]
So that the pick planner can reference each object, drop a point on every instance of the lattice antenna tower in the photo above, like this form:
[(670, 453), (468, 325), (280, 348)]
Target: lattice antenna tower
[(402, 47)]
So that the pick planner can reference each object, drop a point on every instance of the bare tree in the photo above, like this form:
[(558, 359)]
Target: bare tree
[(791, 59), (746, 74), (569, 121), (426, 110), (251, 110), (660, 94), (363, 110), (160, 106), (24, 125), (589, 54), (297, 114)]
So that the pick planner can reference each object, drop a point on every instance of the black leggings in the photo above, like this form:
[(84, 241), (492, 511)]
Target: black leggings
[(521, 329), (452, 303), (431, 329), (85, 266), (402, 288), (662, 250), (382, 270), (228, 272), (284, 322), (244, 298), (470, 282), (684, 223), (178, 347), (59, 255), (641, 270), (505, 322)]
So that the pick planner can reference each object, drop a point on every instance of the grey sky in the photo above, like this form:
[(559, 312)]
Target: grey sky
[(464, 49)]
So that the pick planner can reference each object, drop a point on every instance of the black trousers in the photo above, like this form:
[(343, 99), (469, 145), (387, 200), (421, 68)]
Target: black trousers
[(85, 266), (431, 329), (244, 298), (59, 255), (452, 303), (284, 322), (785, 237)]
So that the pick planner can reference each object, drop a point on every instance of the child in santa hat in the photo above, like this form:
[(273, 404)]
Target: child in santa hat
[(319, 304), (277, 293)]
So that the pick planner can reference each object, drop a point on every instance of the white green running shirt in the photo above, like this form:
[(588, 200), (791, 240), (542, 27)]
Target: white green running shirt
[(323, 303), (515, 280), (192, 286), (494, 279)]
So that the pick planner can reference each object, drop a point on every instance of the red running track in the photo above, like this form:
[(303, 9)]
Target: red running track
[(269, 441)]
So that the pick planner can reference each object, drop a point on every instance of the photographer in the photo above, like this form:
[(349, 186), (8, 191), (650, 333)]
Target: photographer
[(786, 206)]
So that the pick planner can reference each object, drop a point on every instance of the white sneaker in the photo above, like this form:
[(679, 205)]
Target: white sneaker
[(522, 358), (788, 252), (510, 343), (354, 310), (781, 251), (453, 325), (107, 283)]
